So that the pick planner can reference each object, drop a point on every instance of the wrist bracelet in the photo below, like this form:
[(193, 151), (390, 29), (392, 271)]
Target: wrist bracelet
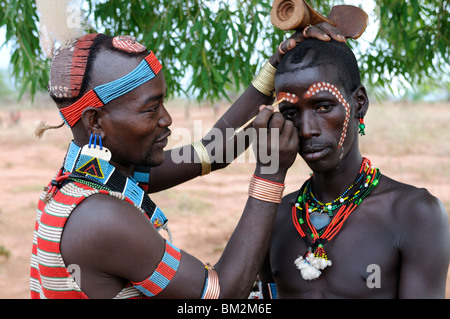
[(204, 157), (264, 82), (265, 190), (212, 285)]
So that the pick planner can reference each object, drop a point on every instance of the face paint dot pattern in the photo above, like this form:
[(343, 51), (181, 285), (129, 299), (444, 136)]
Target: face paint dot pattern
[(289, 97), (324, 86)]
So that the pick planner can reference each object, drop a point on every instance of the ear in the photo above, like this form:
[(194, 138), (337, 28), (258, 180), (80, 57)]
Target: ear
[(361, 101), (92, 121)]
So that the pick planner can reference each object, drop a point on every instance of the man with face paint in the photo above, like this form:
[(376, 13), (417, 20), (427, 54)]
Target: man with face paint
[(349, 231), (97, 230)]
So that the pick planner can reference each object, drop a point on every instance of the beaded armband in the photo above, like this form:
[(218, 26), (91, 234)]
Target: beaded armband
[(264, 82), (204, 157), (163, 274), (267, 290), (265, 190)]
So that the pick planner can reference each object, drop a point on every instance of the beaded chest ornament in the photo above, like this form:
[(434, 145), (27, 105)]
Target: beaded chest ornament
[(315, 259), (90, 165)]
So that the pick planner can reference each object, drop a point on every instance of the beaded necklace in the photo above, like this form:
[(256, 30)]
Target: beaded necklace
[(315, 259), (100, 174)]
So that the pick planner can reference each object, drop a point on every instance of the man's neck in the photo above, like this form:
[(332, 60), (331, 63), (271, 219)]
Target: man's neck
[(125, 170), (329, 185)]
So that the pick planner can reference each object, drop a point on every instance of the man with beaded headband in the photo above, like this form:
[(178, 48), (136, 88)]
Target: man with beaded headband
[(349, 231), (96, 232)]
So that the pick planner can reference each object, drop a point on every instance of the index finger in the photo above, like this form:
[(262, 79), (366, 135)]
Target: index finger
[(331, 31), (263, 117)]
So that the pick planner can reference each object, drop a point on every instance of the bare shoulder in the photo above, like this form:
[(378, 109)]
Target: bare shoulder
[(107, 216), (286, 204), (290, 198), (104, 230), (422, 237), (416, 209), (414, 201)]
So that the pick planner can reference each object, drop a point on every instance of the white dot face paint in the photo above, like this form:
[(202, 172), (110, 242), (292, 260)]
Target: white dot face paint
[(289, 97), (321, 86)]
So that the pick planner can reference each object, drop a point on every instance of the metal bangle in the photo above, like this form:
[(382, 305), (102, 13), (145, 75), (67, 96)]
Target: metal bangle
[(212, 285), (264, 82), (204, 157)]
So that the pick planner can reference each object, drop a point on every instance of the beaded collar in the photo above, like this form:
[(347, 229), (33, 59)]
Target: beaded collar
[(315, 259), (100, 174)]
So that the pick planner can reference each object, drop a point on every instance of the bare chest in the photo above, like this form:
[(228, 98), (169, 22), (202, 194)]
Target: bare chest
[(363, 255)]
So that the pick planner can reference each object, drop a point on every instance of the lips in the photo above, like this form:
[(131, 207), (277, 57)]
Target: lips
[(314, 152), (162, 141)]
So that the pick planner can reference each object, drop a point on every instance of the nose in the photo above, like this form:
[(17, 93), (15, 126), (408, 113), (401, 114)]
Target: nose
[(308, 125), (165, 120)]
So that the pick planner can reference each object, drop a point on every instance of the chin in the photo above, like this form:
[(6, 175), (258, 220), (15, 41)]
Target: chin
[(156, 159), (322, 165), (317, 166)]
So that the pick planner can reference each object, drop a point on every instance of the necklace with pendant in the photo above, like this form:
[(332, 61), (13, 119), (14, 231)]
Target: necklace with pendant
[(315, 259)]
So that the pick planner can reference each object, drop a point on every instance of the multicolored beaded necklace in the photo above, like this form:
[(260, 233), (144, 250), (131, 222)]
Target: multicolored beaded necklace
[(98, 173), (315, 259)]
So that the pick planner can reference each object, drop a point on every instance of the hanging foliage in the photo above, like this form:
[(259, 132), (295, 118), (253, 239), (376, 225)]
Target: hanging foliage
[(217, 46)]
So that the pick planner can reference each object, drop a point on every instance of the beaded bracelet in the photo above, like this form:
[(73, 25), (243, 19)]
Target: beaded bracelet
[(264, 82), (204, 157), (265, 190)]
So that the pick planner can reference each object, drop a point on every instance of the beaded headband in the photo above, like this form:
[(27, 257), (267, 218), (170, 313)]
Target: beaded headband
[(102, 94)]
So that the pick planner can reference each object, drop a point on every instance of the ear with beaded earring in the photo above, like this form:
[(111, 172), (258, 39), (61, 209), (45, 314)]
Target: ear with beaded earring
[(96, 150), (361, 107), (361, 126)]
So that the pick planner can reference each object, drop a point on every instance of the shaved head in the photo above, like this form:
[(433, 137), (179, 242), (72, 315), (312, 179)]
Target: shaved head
[(312, 53)]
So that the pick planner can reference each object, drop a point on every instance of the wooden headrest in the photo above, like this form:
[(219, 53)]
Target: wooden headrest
[(297, 14)]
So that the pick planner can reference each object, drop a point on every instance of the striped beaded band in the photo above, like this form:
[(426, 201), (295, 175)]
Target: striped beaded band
[(163, 274), (82, 166), (102, 94), (267, 290), (265, 190)]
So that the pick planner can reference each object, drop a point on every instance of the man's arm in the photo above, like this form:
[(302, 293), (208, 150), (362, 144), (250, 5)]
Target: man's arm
[(267, 287), (172, 173), (424, 246), (114, 243)]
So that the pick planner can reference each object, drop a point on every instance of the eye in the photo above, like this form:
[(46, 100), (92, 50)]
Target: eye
[(154, 108), (324, 107), (290, 114)]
